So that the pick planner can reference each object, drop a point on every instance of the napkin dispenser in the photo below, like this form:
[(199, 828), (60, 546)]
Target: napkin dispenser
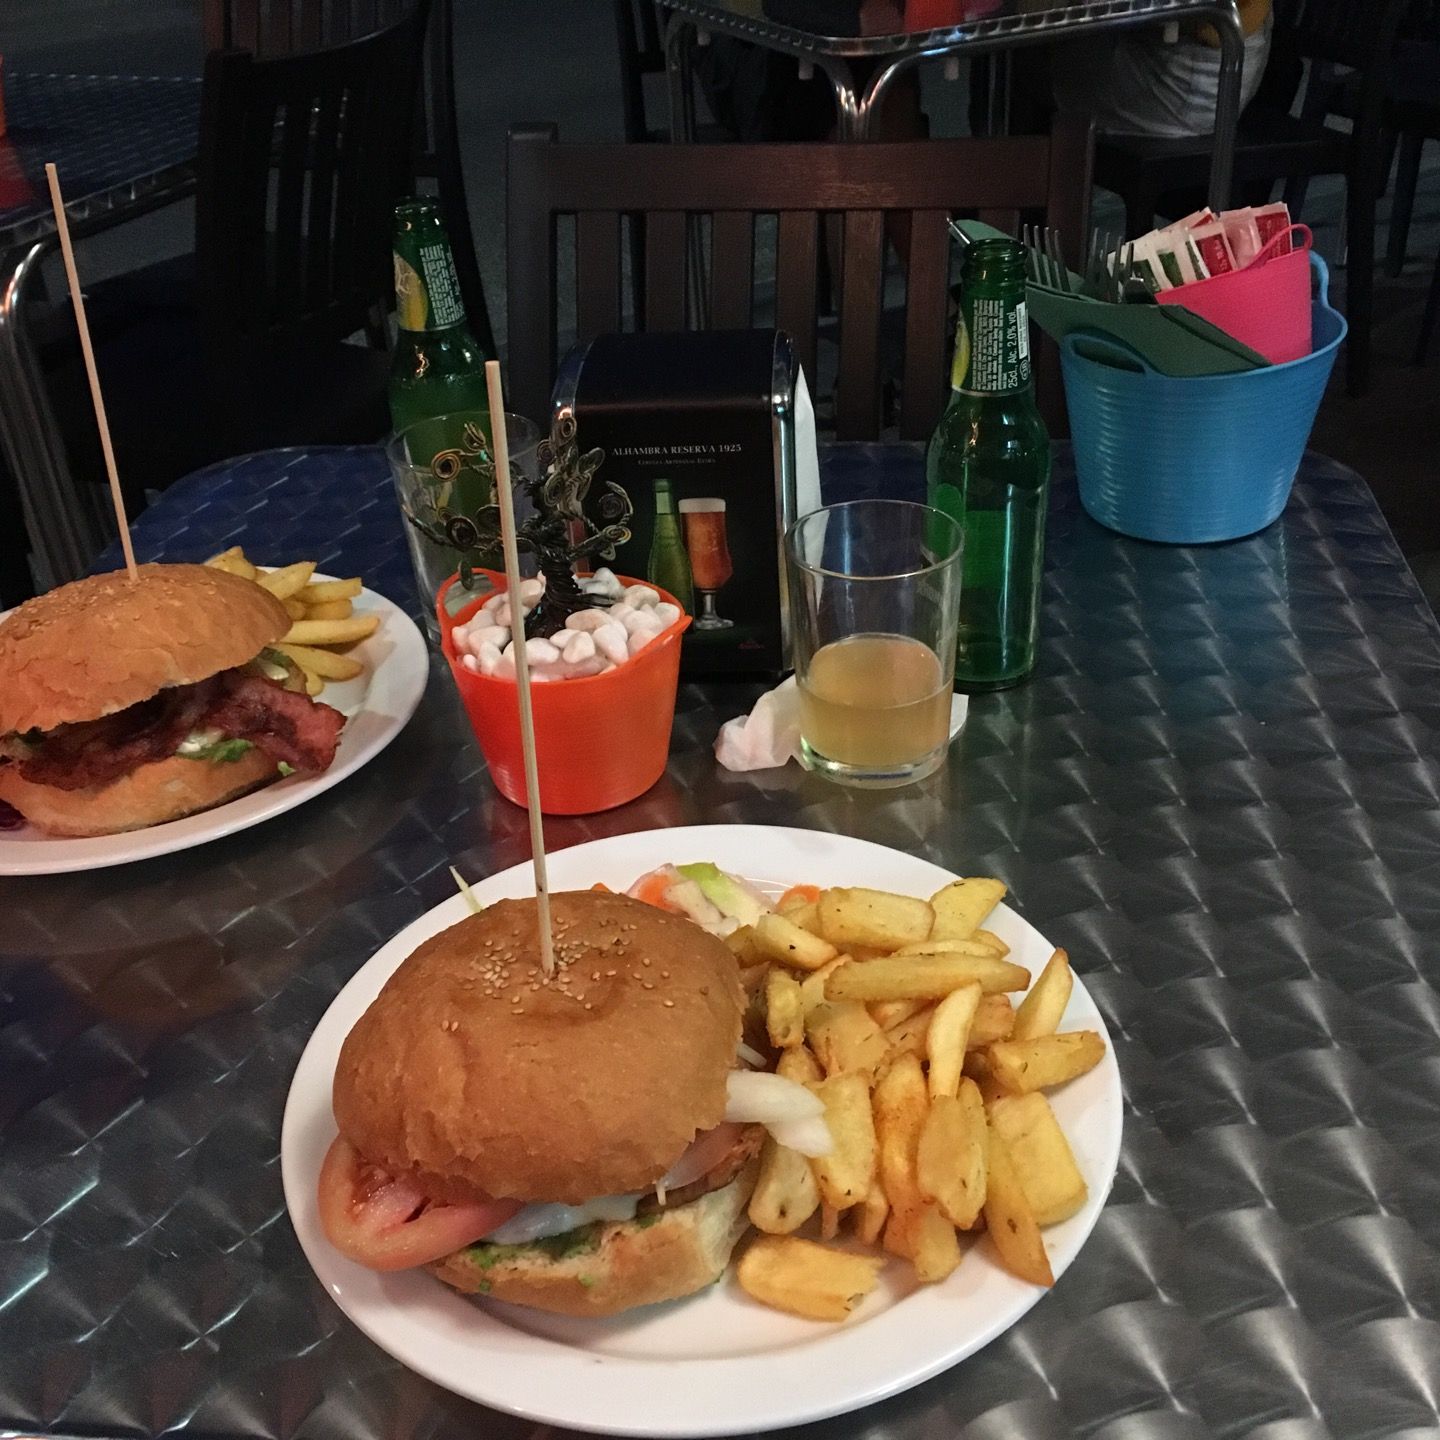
[(724, 418)]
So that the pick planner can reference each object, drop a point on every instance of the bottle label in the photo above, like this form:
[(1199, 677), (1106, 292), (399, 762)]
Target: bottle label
[(992, 347), (428, 293)]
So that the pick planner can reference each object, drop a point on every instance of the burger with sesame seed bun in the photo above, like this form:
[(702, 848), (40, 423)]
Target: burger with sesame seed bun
[(568, 1142)]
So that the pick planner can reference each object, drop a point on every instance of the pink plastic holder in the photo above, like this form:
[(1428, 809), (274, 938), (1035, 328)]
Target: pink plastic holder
[(1266, 305)]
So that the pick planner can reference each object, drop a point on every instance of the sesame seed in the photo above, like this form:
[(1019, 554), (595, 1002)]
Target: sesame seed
[(646, 960), (669, 1004)]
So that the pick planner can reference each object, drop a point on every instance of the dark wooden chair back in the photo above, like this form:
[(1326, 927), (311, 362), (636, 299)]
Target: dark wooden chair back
[(301, 160), (274, 28), (637, 35), (671, 185)]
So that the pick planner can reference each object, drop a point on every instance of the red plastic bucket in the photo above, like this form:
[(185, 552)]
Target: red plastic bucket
[(1265, 306), (600, 742)]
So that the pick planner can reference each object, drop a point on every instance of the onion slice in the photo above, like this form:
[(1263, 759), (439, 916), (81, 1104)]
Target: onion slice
[(811, 1136), (759, 1098)]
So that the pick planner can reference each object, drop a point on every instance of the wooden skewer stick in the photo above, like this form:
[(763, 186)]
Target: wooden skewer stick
[(499, 442), (83, 325)]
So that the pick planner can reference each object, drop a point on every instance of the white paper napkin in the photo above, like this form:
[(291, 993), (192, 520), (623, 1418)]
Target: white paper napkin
[(769, 735)]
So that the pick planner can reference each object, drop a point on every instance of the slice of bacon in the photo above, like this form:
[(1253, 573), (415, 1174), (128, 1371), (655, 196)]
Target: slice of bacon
[(95, 752), (285, 724)]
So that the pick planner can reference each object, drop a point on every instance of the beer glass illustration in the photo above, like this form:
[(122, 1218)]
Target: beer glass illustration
[(704, 522)]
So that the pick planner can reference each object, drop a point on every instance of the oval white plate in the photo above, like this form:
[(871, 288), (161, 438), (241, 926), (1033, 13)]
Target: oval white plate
[(376, 705), (717, 1363)]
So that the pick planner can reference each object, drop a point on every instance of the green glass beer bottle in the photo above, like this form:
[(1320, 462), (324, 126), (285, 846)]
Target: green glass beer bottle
[(438, 367), (669, 564), (988, 466)]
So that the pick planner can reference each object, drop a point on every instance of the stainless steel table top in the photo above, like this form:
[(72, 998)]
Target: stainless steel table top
[(118, 142), (1221, 793)]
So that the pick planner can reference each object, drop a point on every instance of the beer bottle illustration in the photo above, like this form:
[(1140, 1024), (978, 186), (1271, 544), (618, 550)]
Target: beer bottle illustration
[(669, 565)]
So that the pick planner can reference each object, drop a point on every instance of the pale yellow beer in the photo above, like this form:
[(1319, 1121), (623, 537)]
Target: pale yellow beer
[(875, 701)]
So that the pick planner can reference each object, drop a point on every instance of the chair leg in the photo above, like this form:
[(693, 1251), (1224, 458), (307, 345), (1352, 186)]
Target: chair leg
[(1360, 271), (1408, 176), (1430, 318)]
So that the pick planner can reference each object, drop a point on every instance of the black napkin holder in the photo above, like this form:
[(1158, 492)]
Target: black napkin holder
[(712, 412)]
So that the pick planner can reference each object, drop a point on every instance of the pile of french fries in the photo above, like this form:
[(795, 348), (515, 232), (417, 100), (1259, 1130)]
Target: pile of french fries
[(322, 615), (897, 1012)]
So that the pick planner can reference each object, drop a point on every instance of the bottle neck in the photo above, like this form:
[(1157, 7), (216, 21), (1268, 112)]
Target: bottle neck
[(427, 289), (664, 502), (992, 342)]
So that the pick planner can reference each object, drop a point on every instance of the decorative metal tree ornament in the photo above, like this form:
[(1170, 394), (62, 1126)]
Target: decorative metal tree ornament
[(559, 533)]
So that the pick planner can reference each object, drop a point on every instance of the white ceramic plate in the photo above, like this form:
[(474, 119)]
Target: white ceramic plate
[(717, 1363), (376, 705)]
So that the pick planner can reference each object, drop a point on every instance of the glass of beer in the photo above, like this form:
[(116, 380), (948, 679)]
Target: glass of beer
[(874, 591), (704, 522)]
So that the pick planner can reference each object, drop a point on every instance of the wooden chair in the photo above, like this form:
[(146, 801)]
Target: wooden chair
[(1274, 146), (800, 184), (301, 159), (271, 28)]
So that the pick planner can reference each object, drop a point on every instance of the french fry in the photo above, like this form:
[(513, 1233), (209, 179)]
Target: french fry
[(907, 977), (847, 1172), (744, 948), (331, 632), (856, 916), (979, 1069), (1043, 1159), (234, 562), (1010, 1220), (1020, 1066), (323, 592), (313, 683), (785, 1194), (806, 916), (871, 1214), (900, 1110), (889, 1013), (324, 663), (951, 1159), (845, 1038), (908, 1037), (800, 1065), (946, 1037), (294, 609), (806, 1279), (812, 987), (784, 1012), (288, 580), (933, 1246), (328, 610), (962, 906), (1041, 1010), (829, 1221), (791, 945), (978, 948), (994, 1020), (990, 938)]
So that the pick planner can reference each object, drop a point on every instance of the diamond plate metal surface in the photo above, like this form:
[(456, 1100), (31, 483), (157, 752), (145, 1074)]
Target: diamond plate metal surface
[(1221, 793), (115, 139)]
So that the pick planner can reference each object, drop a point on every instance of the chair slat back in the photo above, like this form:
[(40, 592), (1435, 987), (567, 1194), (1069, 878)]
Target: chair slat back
[(1344, 32), (733, 185), (301, 160)]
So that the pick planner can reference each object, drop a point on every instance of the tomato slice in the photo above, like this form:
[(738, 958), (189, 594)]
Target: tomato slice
[(384, 1222)]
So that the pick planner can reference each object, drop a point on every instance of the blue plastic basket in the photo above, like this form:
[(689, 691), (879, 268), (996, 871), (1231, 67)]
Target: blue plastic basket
[(1195, 459)]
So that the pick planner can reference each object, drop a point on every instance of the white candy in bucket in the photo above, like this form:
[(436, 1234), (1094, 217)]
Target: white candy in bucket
[(592, 642)]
